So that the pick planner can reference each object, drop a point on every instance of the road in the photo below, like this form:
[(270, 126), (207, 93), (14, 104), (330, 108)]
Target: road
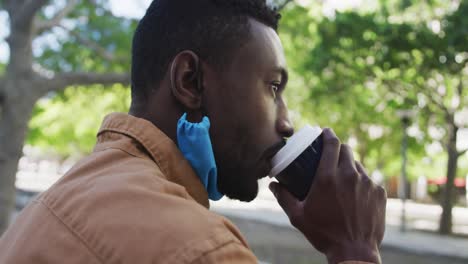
[(278, 245), (424, 217)]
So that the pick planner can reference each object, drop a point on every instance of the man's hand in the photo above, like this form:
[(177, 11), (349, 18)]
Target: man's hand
[(343, 215)]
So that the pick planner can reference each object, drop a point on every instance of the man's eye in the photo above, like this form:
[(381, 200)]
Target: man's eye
[(274, 88)]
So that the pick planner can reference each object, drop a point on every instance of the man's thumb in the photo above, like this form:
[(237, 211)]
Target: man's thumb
[(290, 204)]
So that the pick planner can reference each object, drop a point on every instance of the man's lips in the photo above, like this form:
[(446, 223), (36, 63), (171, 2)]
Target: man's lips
[(271, 151), (268, 156)]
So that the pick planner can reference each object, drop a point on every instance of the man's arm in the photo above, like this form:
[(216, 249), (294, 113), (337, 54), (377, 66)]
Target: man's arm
[(343, 215)]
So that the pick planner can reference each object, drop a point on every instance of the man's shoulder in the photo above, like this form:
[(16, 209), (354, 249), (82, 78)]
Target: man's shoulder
[(110, 172), (120, 188), (135, 224), (151, 228), (128, 211)]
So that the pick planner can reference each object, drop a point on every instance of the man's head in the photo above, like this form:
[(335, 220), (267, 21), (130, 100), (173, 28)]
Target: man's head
[(223, 59)]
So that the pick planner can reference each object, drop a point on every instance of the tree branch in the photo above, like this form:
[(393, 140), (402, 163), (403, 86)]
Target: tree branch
[(100, 51), (463, 152), (460, 92), (392, 84), (22, 13), (11, 5), (44, 25), (438, 103), (28, 11), (63, 80), (2, 94), (94, 46)]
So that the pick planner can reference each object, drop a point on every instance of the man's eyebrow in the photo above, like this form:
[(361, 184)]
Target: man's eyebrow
[(284, 73)]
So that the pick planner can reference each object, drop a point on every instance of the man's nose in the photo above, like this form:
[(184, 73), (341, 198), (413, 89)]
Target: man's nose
[(284, 125)]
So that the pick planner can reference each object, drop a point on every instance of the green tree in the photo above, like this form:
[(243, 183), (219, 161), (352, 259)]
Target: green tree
[(363, 67), (350, 104), (51, 129), (76, 43)]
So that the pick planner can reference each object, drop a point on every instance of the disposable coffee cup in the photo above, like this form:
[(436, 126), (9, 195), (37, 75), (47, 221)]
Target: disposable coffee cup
[(295, 165)]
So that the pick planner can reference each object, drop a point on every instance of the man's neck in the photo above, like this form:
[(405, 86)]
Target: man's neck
[(164, 120)]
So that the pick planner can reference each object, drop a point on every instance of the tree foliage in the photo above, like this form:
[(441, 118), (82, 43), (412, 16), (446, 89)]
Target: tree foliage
[(363, 68), (67, 123), (91, 39)]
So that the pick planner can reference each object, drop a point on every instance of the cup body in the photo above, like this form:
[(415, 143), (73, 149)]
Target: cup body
[(295, 165)]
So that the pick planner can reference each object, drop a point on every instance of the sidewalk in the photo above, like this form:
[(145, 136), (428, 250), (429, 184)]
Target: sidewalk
[(266, 210)]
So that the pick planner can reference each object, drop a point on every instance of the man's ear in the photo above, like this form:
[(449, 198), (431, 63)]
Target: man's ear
[(186, 83)]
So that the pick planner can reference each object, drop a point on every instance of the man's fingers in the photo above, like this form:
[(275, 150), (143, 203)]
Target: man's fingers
[(360, 168), (346, 159), (291, 206), (330, 156), (362, 171), (347, 165)]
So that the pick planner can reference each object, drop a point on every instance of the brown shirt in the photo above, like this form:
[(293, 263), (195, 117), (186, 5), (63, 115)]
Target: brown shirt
[(135, 199)]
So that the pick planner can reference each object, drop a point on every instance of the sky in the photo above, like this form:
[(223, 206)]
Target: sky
[(129, 8)]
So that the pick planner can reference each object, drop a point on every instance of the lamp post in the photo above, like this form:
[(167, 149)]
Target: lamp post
[(405, 116)]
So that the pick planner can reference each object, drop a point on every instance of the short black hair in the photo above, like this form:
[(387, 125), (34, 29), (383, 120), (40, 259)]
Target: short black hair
[(213, 29)]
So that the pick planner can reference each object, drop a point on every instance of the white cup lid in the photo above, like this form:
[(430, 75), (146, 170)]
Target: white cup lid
[(293, 148)]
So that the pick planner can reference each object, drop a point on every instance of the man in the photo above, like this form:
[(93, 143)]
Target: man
[(142, 195)]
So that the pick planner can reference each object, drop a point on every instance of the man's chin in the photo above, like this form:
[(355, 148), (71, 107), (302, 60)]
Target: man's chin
[(242, 191), (241, 197)]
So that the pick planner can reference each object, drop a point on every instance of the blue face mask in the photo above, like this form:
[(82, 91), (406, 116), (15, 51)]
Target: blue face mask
[(195, 144)]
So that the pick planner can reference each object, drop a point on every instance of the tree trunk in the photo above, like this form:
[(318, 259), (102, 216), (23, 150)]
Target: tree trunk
[(20, 89), (16, 111), (445, 225), (19, 95)]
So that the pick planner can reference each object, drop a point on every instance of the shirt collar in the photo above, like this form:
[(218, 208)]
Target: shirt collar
[(161, 149)]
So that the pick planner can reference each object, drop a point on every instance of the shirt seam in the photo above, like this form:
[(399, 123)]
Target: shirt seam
[(139, 139), (142, 158), (121, 149), (215, 249), (72, 231)]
